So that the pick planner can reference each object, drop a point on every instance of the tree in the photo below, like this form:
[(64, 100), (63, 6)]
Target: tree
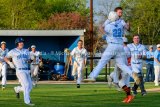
[(144, 17), (65, 20)]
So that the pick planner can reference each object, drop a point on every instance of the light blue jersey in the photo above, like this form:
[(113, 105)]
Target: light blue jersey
[(137, 52), (3, 53), (20, 58), (149, 55), (157, 56), (114, 32)]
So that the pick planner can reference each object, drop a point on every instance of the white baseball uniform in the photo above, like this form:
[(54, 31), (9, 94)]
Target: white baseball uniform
[(3, 68), (35, 64), (20, 59), (137, 52), (79, 56), (114, 32)]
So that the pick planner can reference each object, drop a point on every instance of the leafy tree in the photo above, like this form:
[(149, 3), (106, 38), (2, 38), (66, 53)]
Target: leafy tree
[(144, 17)]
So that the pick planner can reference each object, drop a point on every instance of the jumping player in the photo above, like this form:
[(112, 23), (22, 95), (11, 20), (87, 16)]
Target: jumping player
[(114, 32)]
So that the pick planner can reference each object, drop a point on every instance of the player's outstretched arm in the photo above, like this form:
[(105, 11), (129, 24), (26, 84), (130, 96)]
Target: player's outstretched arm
[(8, 61)]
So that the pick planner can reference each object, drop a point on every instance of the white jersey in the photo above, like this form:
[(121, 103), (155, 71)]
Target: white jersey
[(35, 55), (20, 58), (3, 53), (136, 52), (79, 54), (114, 32)]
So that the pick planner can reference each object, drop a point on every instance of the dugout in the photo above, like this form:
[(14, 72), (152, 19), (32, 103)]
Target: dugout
[(50, 42)]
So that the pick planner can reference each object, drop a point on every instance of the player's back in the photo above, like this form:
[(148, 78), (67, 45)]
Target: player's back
[(114, 32)]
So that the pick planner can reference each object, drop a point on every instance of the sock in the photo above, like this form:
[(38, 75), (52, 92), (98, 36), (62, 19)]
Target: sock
[(127, 90)]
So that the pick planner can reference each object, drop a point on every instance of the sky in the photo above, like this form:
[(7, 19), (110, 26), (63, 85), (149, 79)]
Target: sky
[(98, 5)]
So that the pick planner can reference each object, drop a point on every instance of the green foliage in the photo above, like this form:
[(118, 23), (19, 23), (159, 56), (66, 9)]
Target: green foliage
[(26, 14), (144, 15)]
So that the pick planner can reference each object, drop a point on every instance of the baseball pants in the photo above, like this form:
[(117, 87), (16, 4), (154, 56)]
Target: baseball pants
[(78, 70), (26, 84), (4, 73), (115, 51)]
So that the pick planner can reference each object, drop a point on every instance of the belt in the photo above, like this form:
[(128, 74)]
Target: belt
[(136, 63), (114, 43), (23, 68)]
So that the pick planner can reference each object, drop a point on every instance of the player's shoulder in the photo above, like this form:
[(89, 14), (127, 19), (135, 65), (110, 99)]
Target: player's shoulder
[(129, 45)]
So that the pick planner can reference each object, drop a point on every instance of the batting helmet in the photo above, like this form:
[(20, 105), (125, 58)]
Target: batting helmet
[(112, 16), (18, 40)]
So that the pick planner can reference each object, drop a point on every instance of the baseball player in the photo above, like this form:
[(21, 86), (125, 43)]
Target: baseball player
[(114, 32), (21, 58), (35, 57), (138, 53), (79, 55), (119, 12), (121, 80), (3, 65)]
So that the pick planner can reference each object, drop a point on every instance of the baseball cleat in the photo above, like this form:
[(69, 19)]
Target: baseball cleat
[(134, 92), (31, 104), (17, 93), (144, 93), (110, 80), (3, 87), (117, 86), (125, 99), (136, 78), (89, 80), (130, 99), (78, 85)]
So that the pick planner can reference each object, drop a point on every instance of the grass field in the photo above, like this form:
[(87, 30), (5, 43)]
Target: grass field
[(67, 95)]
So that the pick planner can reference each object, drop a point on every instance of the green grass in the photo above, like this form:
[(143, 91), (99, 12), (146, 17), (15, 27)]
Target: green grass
[(89, 95)]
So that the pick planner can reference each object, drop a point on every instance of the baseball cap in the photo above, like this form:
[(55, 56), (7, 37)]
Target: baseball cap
[(158, 46), (3, 42), (33, 46), (151, 46)]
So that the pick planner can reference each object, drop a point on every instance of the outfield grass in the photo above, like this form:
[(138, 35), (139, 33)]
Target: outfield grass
[(89, 95)]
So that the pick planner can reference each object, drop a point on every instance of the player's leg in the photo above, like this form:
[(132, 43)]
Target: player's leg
[(79, 76), (121, 63), (126, 88), (25, 86), (4, 75), (156, 71), (107, 55), (74, 71), (35, 73)]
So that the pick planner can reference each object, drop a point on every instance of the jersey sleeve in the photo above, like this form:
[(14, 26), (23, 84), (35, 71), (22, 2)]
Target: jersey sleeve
[(10, 54), (86, 54), (106, 23), (123, 23), (144, 51), (73, 52), (156, 54)]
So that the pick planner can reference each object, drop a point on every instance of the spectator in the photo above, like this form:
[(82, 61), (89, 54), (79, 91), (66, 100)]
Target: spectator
[(149, 64), (157, 65)]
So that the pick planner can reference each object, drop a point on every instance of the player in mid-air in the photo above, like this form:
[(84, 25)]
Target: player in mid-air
[(20, 61), (79, 56), (35, 57), (3, 67), (114, 32)]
